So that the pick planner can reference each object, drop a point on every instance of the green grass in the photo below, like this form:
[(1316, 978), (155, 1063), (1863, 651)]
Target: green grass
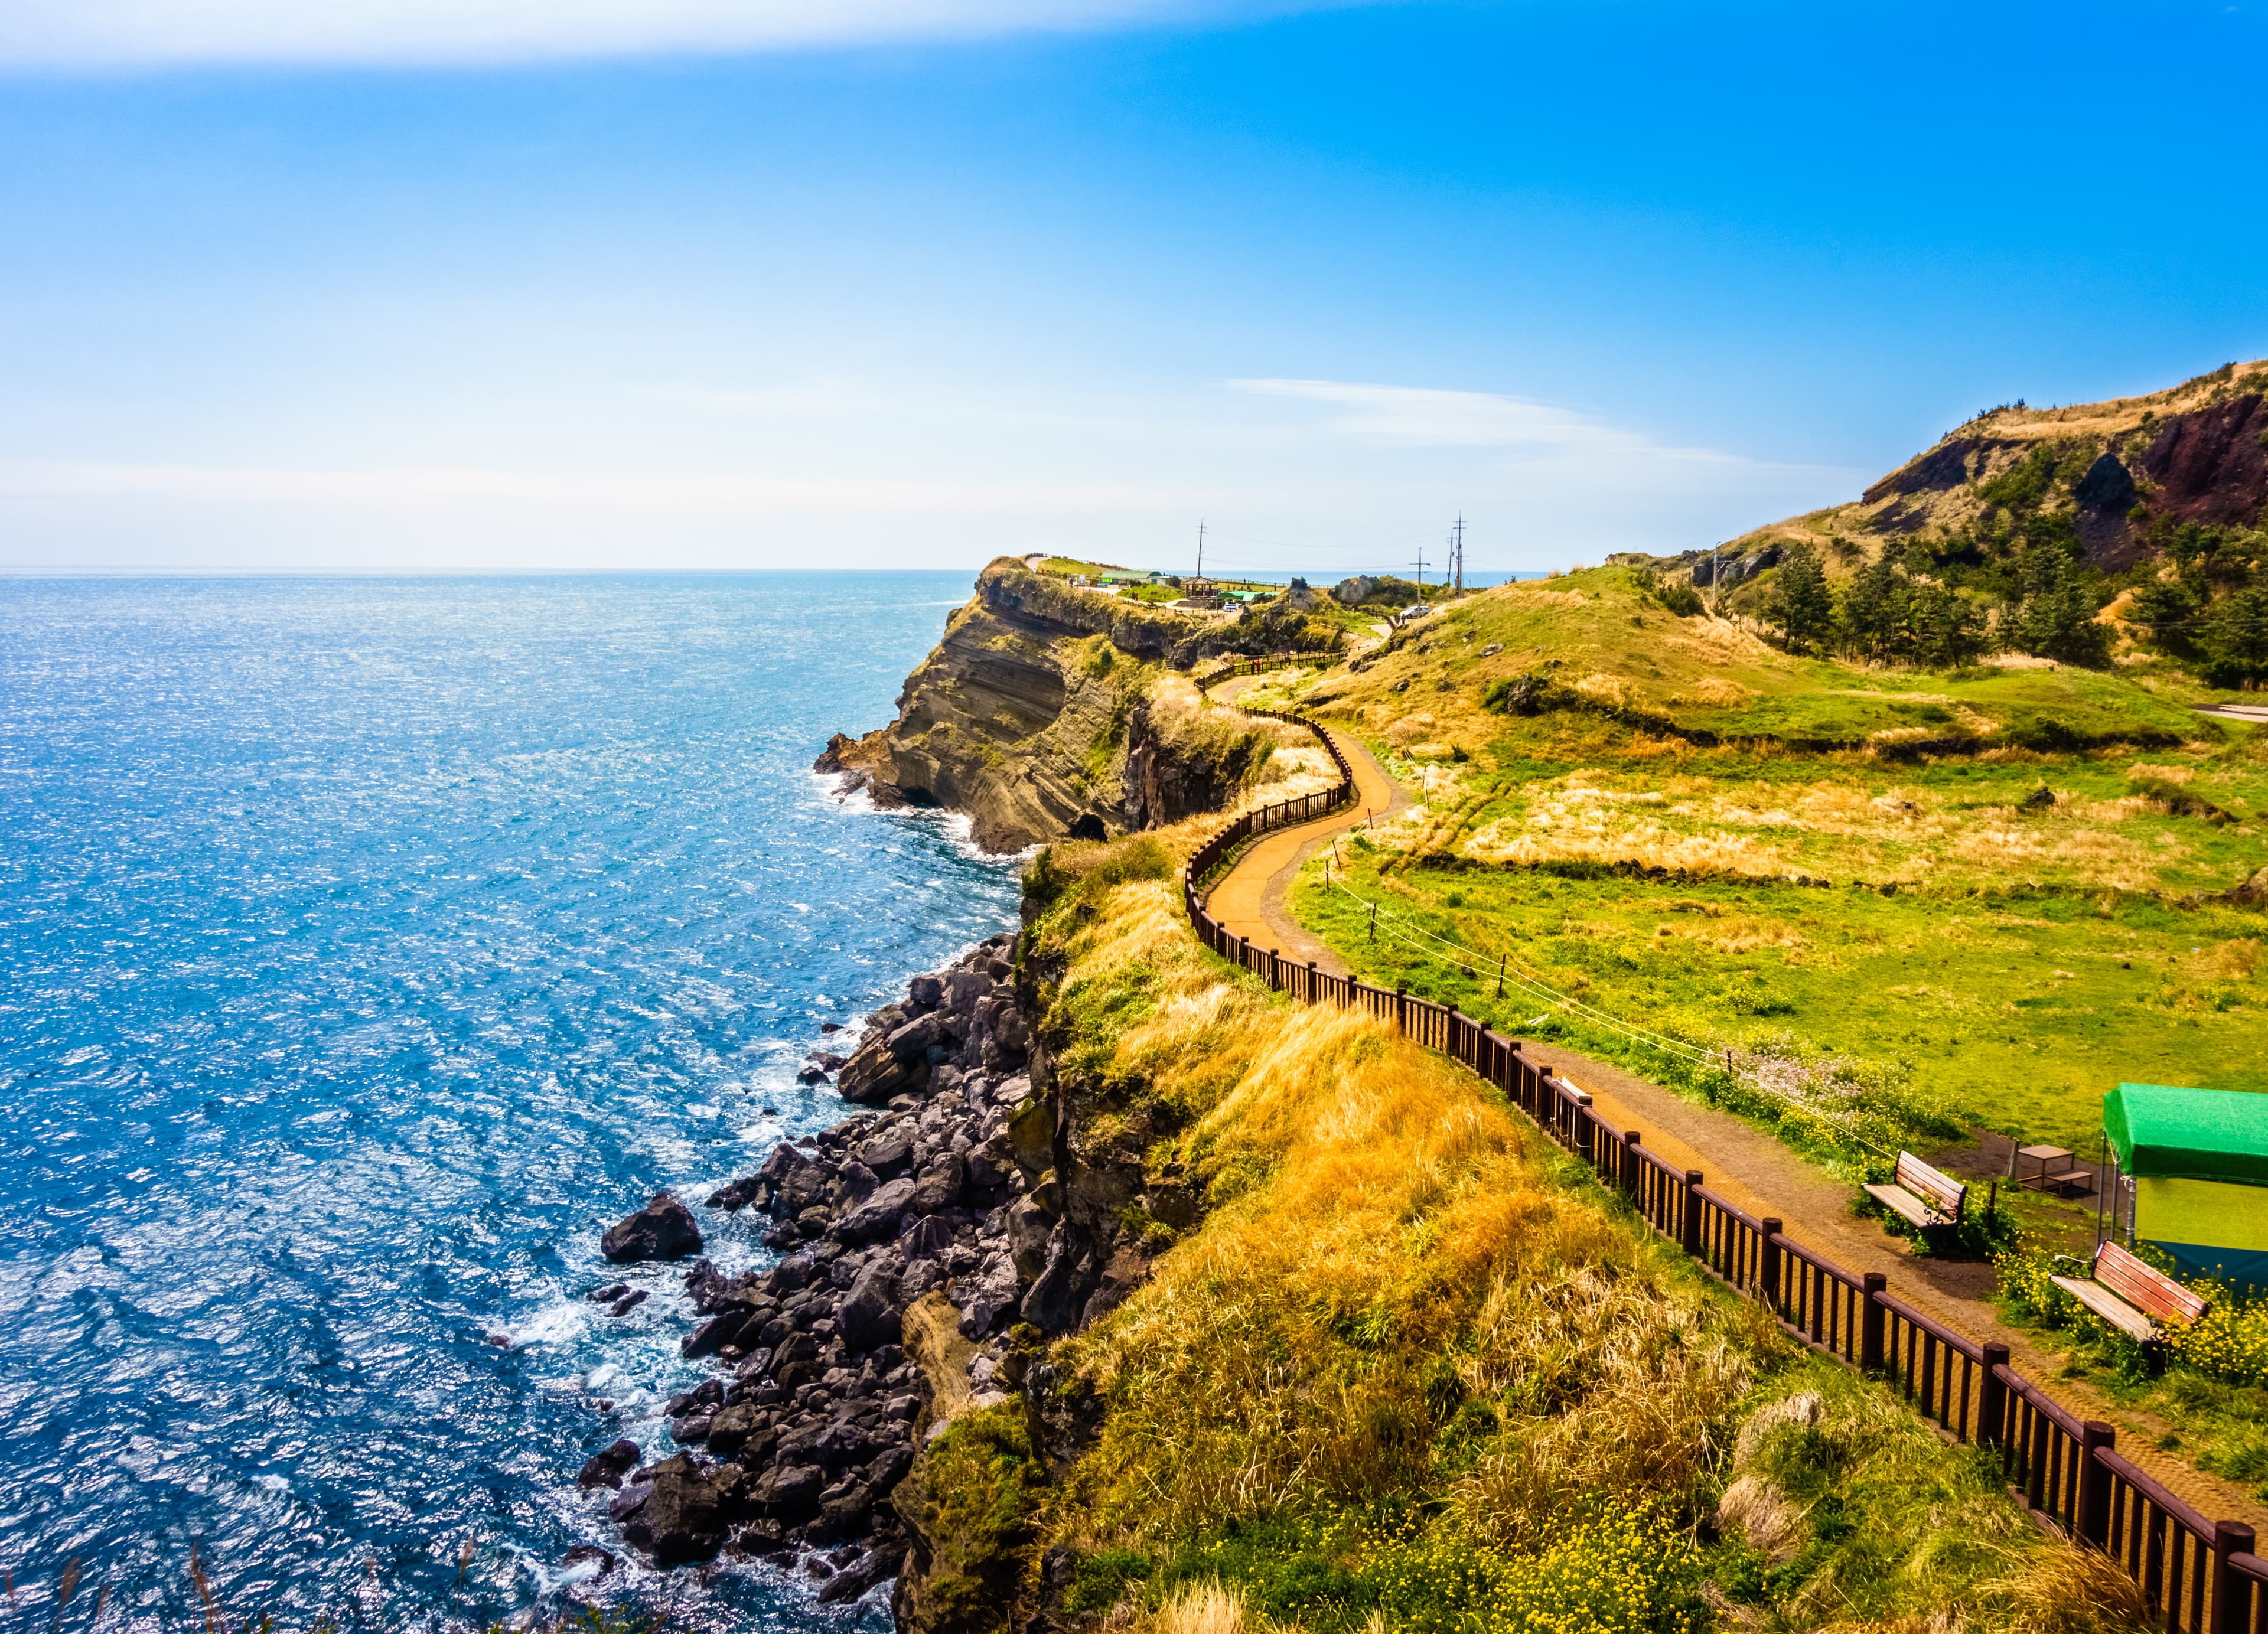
[(2015, 1012)]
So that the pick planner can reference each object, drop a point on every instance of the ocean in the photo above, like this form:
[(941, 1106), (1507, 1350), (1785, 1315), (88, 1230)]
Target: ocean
[(367, 945)]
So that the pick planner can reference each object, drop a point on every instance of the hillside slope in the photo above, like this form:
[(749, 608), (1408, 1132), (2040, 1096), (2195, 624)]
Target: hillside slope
[(2195, 452)]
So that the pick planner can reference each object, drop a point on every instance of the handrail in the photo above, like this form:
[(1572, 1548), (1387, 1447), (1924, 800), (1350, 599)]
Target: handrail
[(2200, 1577)]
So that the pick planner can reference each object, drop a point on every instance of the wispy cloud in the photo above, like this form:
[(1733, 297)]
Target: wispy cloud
[(94, 33), (1431, 417)]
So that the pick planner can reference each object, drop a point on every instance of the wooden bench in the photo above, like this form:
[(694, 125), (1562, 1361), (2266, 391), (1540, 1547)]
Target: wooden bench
[(2133, 1296), (1924, 1197)]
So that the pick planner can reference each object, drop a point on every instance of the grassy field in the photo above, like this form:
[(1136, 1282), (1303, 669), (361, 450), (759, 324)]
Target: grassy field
[(1984, 897), (1414, 1369)]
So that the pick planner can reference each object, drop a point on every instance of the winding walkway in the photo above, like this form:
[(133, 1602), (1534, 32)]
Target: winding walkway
[(1742, 1163)]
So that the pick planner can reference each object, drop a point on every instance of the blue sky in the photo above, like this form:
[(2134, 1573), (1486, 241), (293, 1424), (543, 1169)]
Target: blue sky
[(496, 284)]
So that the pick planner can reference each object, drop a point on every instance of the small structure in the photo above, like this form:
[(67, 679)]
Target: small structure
[(2196, 1161)]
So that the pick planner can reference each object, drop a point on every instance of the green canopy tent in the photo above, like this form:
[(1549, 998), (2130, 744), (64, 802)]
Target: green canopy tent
[(2198, 1161)]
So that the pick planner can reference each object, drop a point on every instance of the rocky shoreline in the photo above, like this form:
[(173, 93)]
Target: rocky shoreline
[(899, 1231)]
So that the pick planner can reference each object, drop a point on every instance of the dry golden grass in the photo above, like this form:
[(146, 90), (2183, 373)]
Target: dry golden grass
[(1373, 1206)]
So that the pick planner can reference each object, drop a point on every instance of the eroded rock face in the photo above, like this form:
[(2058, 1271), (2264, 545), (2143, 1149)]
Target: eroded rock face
[(1017, 721)]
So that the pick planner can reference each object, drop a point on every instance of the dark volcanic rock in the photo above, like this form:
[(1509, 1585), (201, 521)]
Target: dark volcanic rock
[(790, 1491), (877, 1215), (874, 1075), (608, 1466), (869, 1317), (681, 1519), (662, 1230)]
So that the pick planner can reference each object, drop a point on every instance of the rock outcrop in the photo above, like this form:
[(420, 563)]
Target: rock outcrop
[(662, 1230), (1049, 712)]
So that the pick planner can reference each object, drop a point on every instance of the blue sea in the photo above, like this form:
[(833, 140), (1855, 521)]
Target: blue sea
[(366, 946)]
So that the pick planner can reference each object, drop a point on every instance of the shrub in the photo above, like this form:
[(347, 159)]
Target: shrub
[(2230, 1343)]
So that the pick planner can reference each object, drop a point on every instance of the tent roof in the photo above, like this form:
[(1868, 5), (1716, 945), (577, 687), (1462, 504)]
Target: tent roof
[(2189, 1134)]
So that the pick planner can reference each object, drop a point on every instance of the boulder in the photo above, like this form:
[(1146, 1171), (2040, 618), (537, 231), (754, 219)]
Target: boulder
[(662, 1230), (731, 1429), (607, 1467), (985, 1297), (889, 1154), (589, 1554), (879, 1214), (845, 1507), (681, 1520), (856, 1578), (868, 1318), (925, 1238), (790, 1491), (715, 1333), (939, 1185), (875, 1075)]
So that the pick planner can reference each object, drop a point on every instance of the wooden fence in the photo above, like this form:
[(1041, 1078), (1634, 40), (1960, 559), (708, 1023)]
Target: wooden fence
[(2201, 1575)]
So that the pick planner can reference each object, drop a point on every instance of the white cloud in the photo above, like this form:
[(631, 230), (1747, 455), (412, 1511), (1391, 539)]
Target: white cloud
[(153, 32), (1428, 417)]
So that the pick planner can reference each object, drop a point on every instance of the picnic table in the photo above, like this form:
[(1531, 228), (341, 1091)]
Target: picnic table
[(2051, 1170)]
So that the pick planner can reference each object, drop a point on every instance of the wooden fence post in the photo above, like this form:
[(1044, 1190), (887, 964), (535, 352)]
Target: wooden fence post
[(1768, 1273), (1688, 1237), (1629, 1177), (1401, 1009), (1315, 990), (1992, 1398), (2092, 1520), (1871, 1316), (2231, 1595)]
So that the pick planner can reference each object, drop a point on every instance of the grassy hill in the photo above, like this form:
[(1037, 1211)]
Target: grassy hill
[(1928, 899), (1407, 1367)]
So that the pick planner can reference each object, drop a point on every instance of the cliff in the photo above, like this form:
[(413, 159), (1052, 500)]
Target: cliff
[(1049, 712)]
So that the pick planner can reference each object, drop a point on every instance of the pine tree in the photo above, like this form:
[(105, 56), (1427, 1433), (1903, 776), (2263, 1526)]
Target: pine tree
[(1801, 604)]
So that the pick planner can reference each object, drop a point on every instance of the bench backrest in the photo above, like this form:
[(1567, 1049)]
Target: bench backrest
[(2146, 1288), (1933, 1186)]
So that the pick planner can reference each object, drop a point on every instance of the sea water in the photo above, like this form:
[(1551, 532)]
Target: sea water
[(366, 947)]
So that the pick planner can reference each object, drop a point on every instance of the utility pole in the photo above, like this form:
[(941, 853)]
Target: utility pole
[(1460, 548), (1200, 551), (1421, 573)]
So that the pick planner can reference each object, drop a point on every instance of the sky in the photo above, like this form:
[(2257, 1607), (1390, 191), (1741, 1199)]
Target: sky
[(472, 286)]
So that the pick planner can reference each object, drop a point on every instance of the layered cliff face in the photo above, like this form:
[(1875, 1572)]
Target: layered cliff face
[(1047, 713)]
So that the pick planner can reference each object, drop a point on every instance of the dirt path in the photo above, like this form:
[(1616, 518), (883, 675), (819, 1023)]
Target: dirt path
[(1742, 1163), (1249, 899)]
